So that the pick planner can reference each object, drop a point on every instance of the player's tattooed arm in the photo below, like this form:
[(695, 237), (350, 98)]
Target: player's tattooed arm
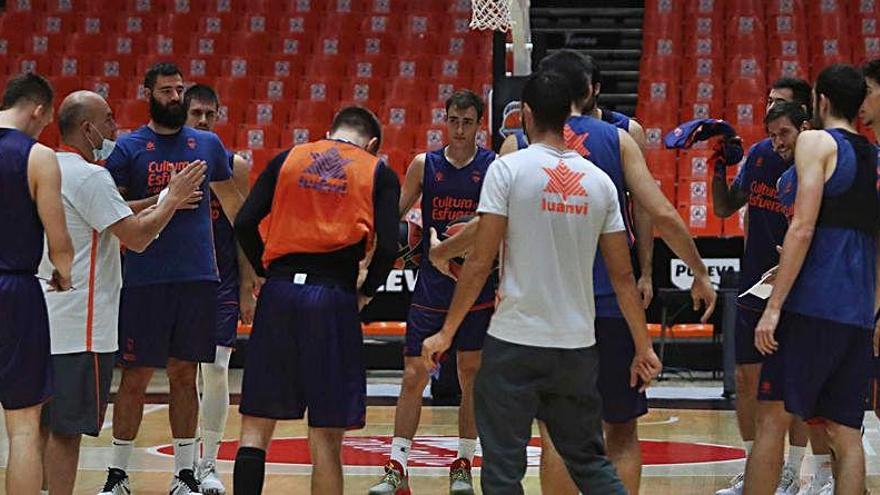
[(412, 184), (44, 180), (815, 153)]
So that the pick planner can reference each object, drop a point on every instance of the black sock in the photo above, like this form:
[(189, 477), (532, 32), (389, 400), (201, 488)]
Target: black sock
[(250, 467)]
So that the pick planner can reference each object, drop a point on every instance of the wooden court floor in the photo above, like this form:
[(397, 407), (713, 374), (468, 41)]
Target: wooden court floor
[(684, 445)]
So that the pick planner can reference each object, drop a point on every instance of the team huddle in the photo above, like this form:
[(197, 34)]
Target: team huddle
[(559, 336)]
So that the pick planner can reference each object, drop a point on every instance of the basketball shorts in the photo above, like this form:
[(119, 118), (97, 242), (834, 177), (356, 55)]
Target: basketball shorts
[(227, 316), (422, 323), (821, 370), (82, 390), (620, 402), (159, 321), (744, 343), (305, 353), (25, 361)]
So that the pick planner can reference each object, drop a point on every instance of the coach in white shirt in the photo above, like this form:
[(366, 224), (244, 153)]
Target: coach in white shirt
[(550, 208), (83, 321)]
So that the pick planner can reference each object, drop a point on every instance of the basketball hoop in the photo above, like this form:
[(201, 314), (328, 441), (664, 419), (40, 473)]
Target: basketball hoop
[(491, 14)]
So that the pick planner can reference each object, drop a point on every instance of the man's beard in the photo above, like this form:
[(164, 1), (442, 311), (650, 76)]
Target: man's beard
[(172, 116)]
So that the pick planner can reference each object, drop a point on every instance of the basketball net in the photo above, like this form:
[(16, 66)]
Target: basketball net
[(491, 14)]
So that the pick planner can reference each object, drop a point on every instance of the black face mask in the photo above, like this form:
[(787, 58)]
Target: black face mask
[(172, 115)]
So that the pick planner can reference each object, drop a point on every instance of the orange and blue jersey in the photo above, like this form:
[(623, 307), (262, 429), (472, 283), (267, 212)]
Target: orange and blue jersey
[(22, 250), (836, 281), (142, 163), (448, 193), (757, 178)]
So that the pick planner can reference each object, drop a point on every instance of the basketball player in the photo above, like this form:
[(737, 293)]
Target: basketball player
[(551, 209), (30, 204), (167, 315), (448, 181), (755, 185), (616, 153), (235, 296), (817, 328), (83, 323), (329, 202)]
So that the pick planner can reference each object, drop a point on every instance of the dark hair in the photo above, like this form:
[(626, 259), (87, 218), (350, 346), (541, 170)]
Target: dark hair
[(845, 88), (30, 87), (360, 120), (464, 99), (872, 70), (575, 67), (802, 93), (548, 95), (200, 92), (790, 109), (160, 69)]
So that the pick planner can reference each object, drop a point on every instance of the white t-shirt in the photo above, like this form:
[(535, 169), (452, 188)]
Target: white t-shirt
[(86, 318), (557, 205)]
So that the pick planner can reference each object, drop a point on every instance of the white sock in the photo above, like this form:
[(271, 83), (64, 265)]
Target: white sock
[(466, 448), (44, 492), (795, 457), (400, 448), (822, 466), (184, 453), (121, 453), (215, 402), (747, 444)]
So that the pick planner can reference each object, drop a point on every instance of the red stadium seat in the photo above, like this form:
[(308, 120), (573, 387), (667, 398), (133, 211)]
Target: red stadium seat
[(266, 113), (258, 22), (72, 65), (398, 137), (301, 133), (319, 90), (282, 67), (300, 23), (111, 88), (168, 46), (274, 89), (788, 48), (327, 66), (257, 137), (209, 45), (407, 89), (116, 66), (131, 113), (335, 44), (234, 88), (135, 90), (694, 165), (703, 91), (415, 44), (231, 113), (386, 6), (450, 68), (787, 68), (39, 44), (57, 23), (369, 67), (40, 64), (662, 163), (64, 85), (369, 92), (199, 67), (135, 24), (658, 90), (334, 23), (734, 225), (700, 219), (412, 67), (434, 115), (744, 112), (248, 43), (91, 44), (219, 23), (320, 112), (829, 25), (702, 110), (376, 44), (658, 114), (380, 24), (12, 22), (126, 45), (51, 136), (785, 7), (749, 7), (869, 25), (10, 45), (866, 49), (400, 114), (661, 67), (242, 67), (397, 159), (746, 67), (786, 26), (345, 6), (431, 138)]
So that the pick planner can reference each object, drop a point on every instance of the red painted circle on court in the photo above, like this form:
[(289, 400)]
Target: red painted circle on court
[(439, 451)]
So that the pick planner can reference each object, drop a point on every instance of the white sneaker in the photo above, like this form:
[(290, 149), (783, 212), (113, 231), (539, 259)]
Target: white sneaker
[(827, 488), (116, 484), (788, 482), (185, 483), (815, 486), (735, 487), (209, 482)]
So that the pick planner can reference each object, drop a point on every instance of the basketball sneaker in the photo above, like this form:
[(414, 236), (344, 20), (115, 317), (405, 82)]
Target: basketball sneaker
[(817, 485), (788, 483), (460, 480), (395, 481), (209, 482), (185, 483), (116, 484), (735, 487)]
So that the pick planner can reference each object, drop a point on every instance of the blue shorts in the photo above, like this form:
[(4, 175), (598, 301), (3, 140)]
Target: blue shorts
[(25, 360), (621, 403), (821, 370), (227, 316), (159, 321), (306, 352), (744, 342), (422, 323)]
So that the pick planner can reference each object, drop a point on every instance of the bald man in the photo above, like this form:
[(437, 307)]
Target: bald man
[(83, 322)]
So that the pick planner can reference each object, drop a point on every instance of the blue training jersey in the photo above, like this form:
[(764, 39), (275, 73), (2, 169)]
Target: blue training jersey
[(768, 218), (142, 164), (225, 247), (448, 193), (22, 247), (836, 281)]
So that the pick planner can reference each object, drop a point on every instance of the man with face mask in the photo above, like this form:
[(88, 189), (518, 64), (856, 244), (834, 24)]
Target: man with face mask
[(83, 323), (168, 303)]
